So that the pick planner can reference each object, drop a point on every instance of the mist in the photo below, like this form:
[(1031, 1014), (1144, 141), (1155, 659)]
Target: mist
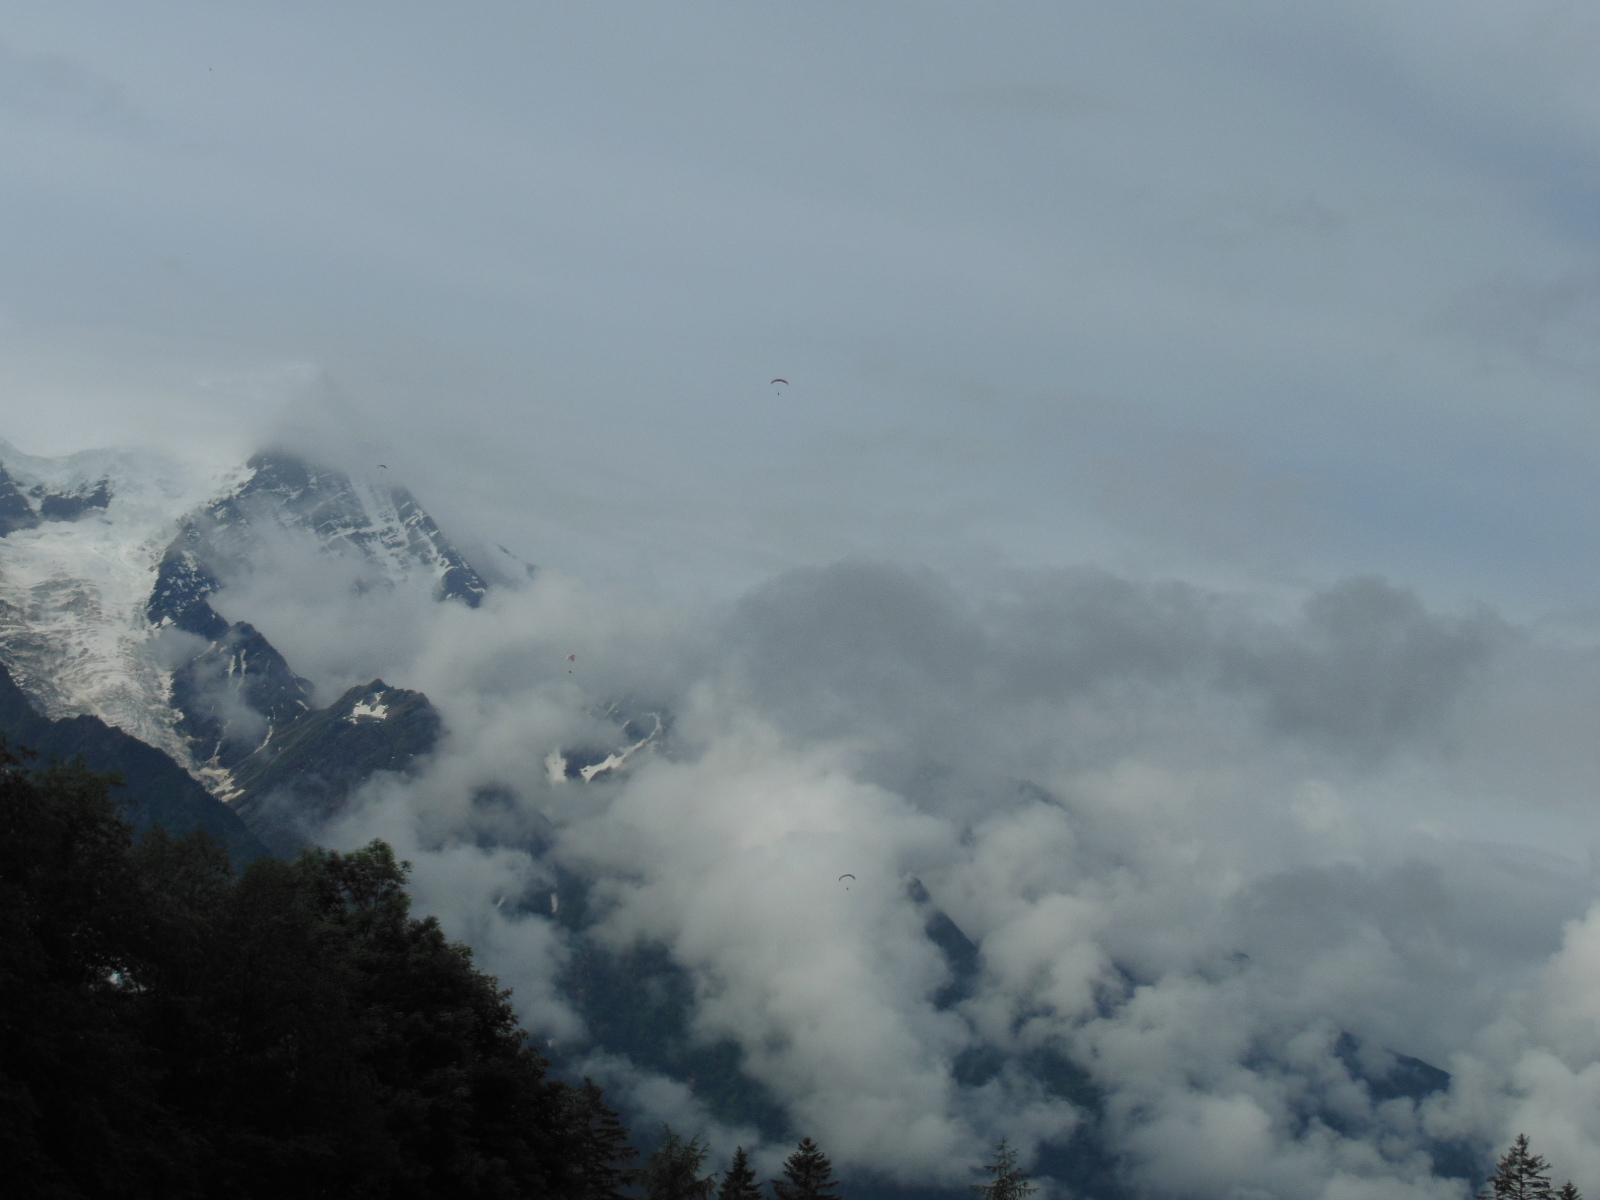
[(1227, 857)]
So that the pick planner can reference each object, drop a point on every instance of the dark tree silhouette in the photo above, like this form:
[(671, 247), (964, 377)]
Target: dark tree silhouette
[(170, 1030), (1519, 1175), (603, 1148), (739, 1181), (672, 1172), (1006, 1180), (1568, 1191), (77, 1111), (809, 1175)]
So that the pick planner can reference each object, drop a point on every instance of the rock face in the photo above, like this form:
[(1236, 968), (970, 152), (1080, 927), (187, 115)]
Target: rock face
[(383, 529), (15, 511), (236, 696), (18, 504), (72, 505), (297, 780), (109, 563)]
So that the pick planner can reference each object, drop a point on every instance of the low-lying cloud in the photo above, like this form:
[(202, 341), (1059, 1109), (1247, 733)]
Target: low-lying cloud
[(1229, 872)]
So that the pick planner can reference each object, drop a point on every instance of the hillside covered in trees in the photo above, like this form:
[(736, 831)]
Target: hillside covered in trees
[(171, 1028)]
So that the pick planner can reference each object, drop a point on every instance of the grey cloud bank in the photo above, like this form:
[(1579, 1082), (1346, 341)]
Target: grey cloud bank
[(1239, 292), (1228, 866)]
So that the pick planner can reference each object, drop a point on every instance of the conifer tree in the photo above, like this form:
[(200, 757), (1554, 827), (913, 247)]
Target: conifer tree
[(810, 1175), (1568, 1192), (604, 1151), (1519, 1175), (1006, 1180), (672, 1172), (739, 1181)]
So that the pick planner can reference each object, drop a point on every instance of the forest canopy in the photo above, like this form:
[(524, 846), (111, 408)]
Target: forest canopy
[(171, 1028)]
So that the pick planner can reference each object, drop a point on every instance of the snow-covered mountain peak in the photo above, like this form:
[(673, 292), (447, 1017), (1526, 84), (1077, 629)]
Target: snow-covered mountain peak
[(102, 552), (80, 545), (378, 525)]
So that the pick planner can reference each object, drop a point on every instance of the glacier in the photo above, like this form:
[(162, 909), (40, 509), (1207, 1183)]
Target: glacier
[(73, 590), (109, 560)]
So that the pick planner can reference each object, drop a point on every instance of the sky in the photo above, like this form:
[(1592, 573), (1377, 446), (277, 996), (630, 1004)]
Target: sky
[(1164, 550), (1234, 291)]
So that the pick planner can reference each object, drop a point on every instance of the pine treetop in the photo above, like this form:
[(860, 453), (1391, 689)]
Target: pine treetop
[(672, 1172), (810, 1175), (739, 1181), (1006, 1180), (1519, 1175), (604, 1149)]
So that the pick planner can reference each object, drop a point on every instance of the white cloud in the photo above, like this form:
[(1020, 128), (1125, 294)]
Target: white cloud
[(1176, 879)]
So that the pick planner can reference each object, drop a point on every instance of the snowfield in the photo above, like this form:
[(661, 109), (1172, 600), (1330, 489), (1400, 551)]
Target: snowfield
[(74, 589), (72, 593)]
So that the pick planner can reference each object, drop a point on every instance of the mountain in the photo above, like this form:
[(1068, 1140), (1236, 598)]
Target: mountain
[(106, 555), (157, 790), (289, 786), (234, 696), (75, 580), (125, 637), (383, 528)]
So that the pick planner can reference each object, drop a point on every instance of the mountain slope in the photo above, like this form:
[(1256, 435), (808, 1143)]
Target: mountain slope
[(158, 791), (383, 529), (75, 578), (288, 787), (109, 563), (234, 697)]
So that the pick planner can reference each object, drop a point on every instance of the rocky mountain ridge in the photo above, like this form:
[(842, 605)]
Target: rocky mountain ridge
[(103, 554)]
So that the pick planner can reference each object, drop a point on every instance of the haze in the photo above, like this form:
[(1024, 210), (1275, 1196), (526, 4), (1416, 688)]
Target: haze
[(1238, 291)]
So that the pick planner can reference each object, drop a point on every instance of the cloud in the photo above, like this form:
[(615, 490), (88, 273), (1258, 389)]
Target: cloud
[(559, 261), (58, 87), (1219, 869)]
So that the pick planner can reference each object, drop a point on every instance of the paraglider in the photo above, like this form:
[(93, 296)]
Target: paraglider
[(847, 876), (385, 466), (777, 388), (572, 658)]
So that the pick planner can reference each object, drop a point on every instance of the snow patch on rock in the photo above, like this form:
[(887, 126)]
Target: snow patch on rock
[(375, 711)]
